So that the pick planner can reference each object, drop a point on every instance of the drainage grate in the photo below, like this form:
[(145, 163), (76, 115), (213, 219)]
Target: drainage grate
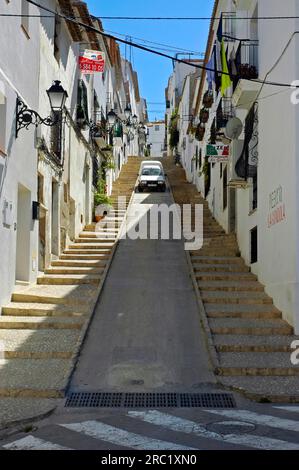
[(149, 400)]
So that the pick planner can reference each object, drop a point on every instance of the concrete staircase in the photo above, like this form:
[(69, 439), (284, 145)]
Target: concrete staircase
[(43, 326), (251, 340)]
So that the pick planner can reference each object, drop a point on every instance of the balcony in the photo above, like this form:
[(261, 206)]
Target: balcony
[(100, 133), (244, 89), (224, 113)]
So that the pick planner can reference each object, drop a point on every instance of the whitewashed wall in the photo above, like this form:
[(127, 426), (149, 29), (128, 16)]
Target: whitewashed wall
[(19, 58)]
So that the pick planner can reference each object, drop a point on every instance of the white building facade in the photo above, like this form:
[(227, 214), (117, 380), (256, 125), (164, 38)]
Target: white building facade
[(255, 193), (156, 138), (18, 157), (48, 174)]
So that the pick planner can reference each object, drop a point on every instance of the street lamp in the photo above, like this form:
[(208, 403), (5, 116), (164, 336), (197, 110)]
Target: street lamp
[(128, 112), (57, 96), (112, 117), (25, 116)]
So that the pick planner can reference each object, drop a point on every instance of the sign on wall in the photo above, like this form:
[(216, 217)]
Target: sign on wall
[(217, 153), (277, 210), (91, 62)]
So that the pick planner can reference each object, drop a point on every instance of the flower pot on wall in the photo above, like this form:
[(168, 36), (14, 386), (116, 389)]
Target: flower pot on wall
[(208, 99)]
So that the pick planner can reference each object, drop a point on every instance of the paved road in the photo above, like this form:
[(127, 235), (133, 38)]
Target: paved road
[(146, 337), (146, 333)]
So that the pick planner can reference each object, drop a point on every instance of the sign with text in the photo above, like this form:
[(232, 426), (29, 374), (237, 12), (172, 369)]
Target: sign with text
[(277, 209), (91, 62), (217, 153)]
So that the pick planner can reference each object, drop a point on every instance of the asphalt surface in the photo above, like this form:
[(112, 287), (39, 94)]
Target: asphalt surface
[(146, 336)]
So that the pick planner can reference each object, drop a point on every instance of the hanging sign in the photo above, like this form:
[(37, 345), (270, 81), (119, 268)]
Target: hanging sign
[(91, 62), (217, 153)]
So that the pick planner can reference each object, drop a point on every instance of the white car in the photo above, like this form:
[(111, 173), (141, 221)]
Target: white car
[(151, 176)]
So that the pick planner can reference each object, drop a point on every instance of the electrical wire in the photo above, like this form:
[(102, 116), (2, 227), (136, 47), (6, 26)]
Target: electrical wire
[(161, 54), (196, 18), (176, 49), (161, 18)]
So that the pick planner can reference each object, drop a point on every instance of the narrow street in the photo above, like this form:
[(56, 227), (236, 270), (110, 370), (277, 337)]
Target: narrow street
[(145, 335), (148, 339), (149, 230)]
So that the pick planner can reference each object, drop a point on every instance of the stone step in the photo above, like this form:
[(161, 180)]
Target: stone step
[(66, 295), (96, 251), (197, 258), (35, 323), (213, 252), (235, 297), (242, 326), (230, 286), (43, 310), (90, 246), (237, 314), (41, 344), (226, 268), (262, 363), (275, 389), (251, 343), (75, 256), (74, 279), (225, 276), (44, 378), (77, 263), (73, 270), (97, 234), (96, 241)]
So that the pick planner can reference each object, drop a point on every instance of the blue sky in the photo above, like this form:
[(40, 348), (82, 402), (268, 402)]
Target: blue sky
[(153, 71)]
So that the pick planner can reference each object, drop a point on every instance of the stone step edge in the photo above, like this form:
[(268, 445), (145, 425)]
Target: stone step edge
[(258, 371)]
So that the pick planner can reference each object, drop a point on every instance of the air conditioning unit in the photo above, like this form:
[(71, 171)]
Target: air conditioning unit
[(234, 181)]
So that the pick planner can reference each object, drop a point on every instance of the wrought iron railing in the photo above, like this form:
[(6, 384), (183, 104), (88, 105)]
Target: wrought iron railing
[(225, 111), (246, 62)]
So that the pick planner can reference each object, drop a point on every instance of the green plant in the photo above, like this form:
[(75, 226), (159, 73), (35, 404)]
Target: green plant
[(100, 199), (100, 196), (173, 130)]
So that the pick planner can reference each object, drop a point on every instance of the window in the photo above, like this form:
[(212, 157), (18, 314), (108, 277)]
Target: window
[(82, 105), (40, 188), (57, 38), (254, 192), (224, 183), (253, 245), (56, 136), (2, 126), (25, 17)]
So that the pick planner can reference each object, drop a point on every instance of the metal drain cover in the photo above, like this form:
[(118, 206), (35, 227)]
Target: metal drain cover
[(149, 400)]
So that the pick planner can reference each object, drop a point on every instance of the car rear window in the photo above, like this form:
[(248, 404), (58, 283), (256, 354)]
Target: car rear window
[(151, 171)]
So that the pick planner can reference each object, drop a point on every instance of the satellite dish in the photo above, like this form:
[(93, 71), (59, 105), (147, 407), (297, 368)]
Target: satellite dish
[(233, 128)]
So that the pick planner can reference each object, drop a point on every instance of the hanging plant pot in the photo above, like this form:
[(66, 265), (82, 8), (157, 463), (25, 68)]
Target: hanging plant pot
[(200, 132), (204, 115), (208, 99)]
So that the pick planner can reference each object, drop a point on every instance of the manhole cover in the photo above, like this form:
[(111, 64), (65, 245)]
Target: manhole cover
[(149, 400), (231, 427)]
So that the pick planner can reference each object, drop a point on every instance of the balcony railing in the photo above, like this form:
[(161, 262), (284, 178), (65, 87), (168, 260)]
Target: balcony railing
[(224, 113), (246, 61)]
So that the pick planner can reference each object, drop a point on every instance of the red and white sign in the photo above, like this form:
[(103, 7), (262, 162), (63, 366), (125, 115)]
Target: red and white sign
[(92, 62)]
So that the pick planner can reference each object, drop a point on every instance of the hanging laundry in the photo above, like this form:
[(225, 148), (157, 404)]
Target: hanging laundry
[(225, 78), (232, 64), (211, 72)]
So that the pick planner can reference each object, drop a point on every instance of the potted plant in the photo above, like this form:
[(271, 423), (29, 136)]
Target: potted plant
[(200, 132), (204, 115), (102, 202), (208, 99)]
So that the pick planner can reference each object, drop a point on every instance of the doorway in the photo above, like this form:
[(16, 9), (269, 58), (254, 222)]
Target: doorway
[(24, 221), (55, 219)]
